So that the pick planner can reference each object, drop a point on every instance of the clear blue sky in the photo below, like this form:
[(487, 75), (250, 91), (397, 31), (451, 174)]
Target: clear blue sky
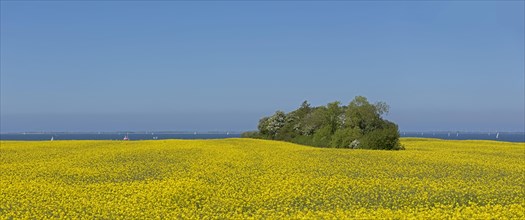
[(137, 65)]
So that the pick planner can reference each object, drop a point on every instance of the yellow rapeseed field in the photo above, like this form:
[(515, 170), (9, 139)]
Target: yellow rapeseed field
[(246, 179)]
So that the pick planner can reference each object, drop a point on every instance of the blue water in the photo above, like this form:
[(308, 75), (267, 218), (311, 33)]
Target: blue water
[(113, 136), (503, 136)]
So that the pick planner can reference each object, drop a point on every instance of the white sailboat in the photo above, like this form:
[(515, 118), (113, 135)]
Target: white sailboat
[(497, 135), (52, 138), (126, 138)]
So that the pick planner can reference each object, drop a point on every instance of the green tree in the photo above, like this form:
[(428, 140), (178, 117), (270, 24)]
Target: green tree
[(333, 116), (343, 137), (263, 127), (287, 131), (275, 123), (360, 124), (313, 121), (365, 116), (385, 138), (322, 137)]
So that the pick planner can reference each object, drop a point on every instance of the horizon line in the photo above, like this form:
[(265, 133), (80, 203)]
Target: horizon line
[(242, 131)]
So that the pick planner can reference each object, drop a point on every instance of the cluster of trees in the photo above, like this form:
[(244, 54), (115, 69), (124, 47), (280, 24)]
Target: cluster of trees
[(357, 125)]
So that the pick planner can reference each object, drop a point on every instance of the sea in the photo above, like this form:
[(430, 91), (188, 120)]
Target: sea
[(495, 136), (114, 136), (502, 136)]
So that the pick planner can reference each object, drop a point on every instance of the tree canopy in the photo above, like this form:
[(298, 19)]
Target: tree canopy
[(360, 124)]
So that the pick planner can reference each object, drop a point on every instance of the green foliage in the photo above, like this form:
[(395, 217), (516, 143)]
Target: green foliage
[(304, 140), (276, 123), (286, 132), (313, 121), (365, 116), (384, 138), (252, 134), (333, 116), (263, 127), (333, 125), (322, 137), (342, 138)]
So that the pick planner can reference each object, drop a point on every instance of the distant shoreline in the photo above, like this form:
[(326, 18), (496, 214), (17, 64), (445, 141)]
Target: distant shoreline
[(236, 132), (123, 132), (43, 136)]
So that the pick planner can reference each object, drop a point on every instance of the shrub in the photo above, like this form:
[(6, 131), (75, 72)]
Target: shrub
[(386, 138), (342, 138), (251, 134), (322, 137)]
